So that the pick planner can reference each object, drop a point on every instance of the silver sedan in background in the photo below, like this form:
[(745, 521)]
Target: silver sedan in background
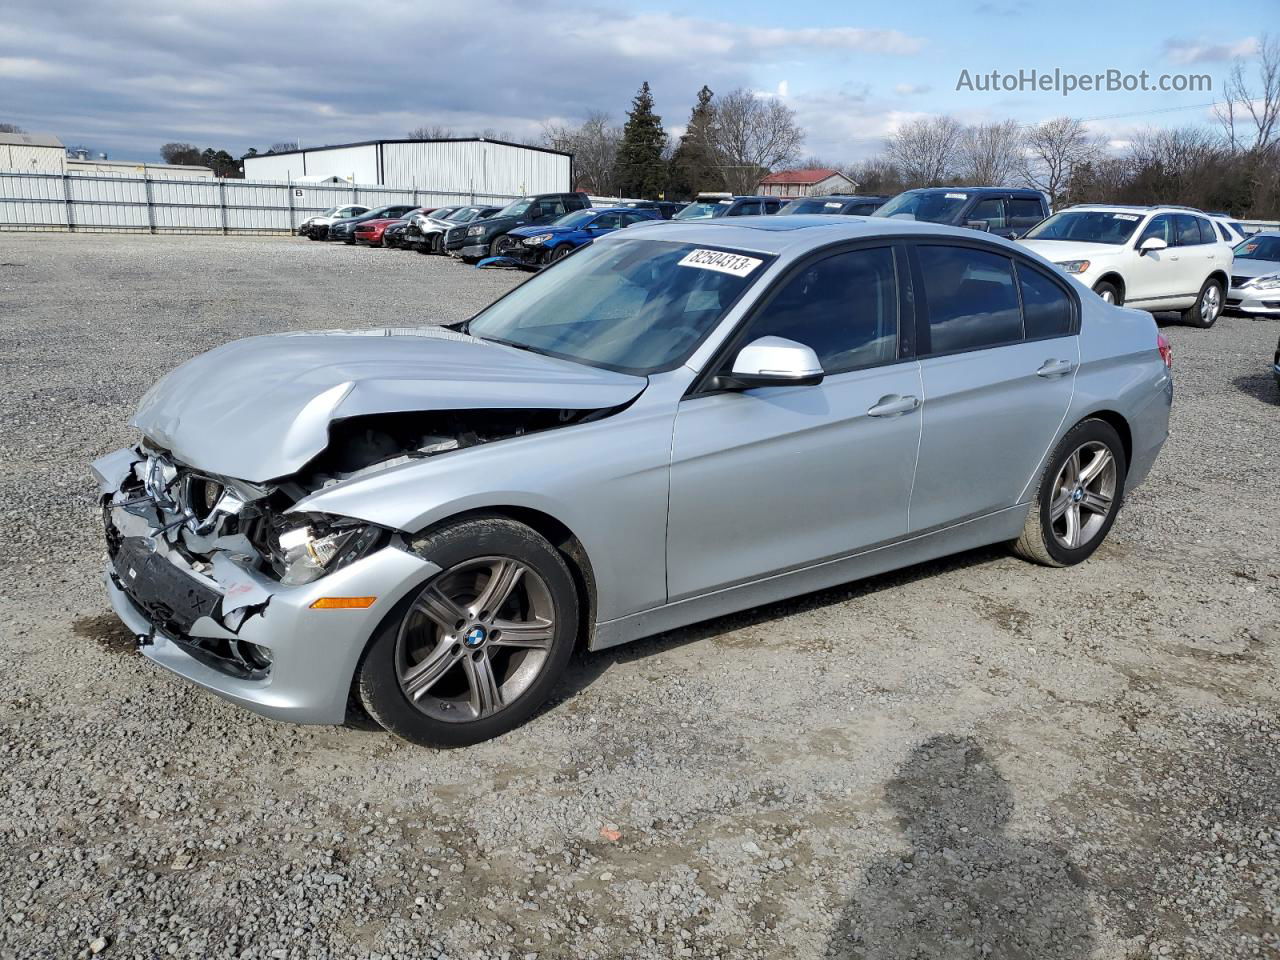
[(678, 421)]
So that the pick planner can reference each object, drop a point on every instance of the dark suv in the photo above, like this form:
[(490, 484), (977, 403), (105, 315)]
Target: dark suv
[(1005, 211), (708, 205), (666, 209), (853, 206), (487, 238)]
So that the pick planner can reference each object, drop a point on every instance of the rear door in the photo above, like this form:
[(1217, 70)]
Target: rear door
[(776, 478), (998, 356)]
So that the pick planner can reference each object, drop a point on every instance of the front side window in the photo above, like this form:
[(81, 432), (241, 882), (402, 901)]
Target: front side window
[(1161, 228), (636, 306), (1046, 308), (746, 208), (971, 298), (845, 307), (990, 211)]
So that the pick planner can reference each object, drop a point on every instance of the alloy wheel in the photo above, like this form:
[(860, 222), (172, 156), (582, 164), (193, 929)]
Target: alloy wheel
[(1108, 296), (1210, 304), (1083, 495), (475, 639)]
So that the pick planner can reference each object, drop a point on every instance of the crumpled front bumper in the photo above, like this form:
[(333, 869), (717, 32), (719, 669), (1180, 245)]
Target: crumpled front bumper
[(314, 652)]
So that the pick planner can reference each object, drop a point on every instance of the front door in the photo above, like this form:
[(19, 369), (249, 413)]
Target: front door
[(776, 478), (1158, 274)]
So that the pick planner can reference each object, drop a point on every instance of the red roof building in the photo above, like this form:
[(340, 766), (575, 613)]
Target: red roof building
[(815, 182)]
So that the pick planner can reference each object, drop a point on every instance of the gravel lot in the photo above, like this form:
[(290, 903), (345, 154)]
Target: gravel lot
[(977, 757)]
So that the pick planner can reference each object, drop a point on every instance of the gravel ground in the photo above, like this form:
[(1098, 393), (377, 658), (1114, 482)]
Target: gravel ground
[(976, 757)]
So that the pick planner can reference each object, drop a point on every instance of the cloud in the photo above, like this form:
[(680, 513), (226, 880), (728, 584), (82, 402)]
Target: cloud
[(911, 89), (125, 77), (1189, 51)]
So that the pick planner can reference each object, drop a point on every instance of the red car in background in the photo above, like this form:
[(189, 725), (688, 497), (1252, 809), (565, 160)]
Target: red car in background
[(370, 231)]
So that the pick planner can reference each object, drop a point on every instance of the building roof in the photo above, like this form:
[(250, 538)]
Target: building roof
[(801, 177), (31, 140), (376, 143)]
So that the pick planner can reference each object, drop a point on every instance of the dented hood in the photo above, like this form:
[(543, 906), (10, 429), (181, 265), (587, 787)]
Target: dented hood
[(260, 408)]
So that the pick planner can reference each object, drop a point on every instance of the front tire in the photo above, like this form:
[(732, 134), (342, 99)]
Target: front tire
[(1109, 293), (1079, 496), (479, 648), (1205, 311)]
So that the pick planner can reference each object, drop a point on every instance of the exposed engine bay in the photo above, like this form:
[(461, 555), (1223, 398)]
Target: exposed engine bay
[(201, 554)]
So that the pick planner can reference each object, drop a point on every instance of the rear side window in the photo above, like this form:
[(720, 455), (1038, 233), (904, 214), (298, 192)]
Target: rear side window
[(971, 298), (1222, 232), (845, 307), (1046, 308)]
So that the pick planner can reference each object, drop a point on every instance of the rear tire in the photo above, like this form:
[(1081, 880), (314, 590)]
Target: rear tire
[(1204, 313), (1079, 496), (1109, 292), (474, 673)]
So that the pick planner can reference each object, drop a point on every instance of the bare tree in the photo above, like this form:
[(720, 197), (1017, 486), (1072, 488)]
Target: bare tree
[(594, 146), (926, 150), (284, 146), (751, 136), (182, 153), (1253, 104), (11, 128), (1054, 149), (431, 132), (989, 153)]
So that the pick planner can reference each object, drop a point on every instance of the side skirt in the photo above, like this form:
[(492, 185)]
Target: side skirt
[(993, 528)]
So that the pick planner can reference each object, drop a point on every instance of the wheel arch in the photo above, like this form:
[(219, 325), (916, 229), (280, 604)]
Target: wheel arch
[(558, 534), (1119, 423), (1115, 280), (1223, 279)]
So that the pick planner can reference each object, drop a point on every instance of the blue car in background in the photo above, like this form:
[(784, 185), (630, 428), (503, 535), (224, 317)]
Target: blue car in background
[(540, 244)]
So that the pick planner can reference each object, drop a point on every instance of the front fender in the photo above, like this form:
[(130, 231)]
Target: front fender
[(606, 481)]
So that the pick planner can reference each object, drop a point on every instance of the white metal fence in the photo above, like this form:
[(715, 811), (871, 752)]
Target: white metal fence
[(97, 202)]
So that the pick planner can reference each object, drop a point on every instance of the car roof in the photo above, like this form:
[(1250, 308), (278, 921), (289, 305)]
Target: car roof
[(841, 196), (1137, 207), (795, 233), (1020, 191)]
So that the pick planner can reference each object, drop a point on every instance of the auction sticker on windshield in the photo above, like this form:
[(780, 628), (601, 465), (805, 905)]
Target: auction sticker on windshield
[(732, 263)]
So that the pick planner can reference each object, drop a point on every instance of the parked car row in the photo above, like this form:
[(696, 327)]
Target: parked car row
[(1155, 258)]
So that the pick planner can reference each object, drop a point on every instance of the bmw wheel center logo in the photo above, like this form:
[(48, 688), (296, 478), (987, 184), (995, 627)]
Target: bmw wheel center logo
[(475, 636)]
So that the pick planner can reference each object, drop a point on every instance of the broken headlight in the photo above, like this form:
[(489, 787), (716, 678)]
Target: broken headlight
[(316, 545)]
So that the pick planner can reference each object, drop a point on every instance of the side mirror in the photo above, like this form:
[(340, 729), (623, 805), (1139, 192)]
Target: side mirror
[(1152, 243), (982, 225), (772, 362)]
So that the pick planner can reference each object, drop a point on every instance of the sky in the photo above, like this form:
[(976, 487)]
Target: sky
[(124, 76)]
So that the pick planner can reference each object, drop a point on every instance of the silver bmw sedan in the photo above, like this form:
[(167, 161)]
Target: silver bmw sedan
[(678, 421)]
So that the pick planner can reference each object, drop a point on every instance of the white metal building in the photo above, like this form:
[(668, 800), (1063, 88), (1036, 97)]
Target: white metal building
[(32, 153), (468, 166), (156, 171)]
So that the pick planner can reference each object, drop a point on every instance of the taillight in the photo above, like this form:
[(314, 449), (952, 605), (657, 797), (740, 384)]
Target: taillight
[(1166, 350)]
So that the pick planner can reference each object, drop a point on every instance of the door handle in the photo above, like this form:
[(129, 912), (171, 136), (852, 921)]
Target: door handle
[(1055, 368), (893, 405)]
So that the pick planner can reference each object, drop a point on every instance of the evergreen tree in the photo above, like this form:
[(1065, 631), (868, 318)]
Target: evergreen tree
[(693, 166), (640, 169)]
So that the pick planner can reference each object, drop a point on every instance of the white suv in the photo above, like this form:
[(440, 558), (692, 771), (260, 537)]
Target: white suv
[(1152, 258), (317, 227)]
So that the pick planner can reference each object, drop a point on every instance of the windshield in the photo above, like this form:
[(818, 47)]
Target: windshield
[(330, 212), (463, 214), (1258, 248), (1087, 226), (636, 306), (934, 206), (515, 208), (813, 205), (577, 218), (704, 209)]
